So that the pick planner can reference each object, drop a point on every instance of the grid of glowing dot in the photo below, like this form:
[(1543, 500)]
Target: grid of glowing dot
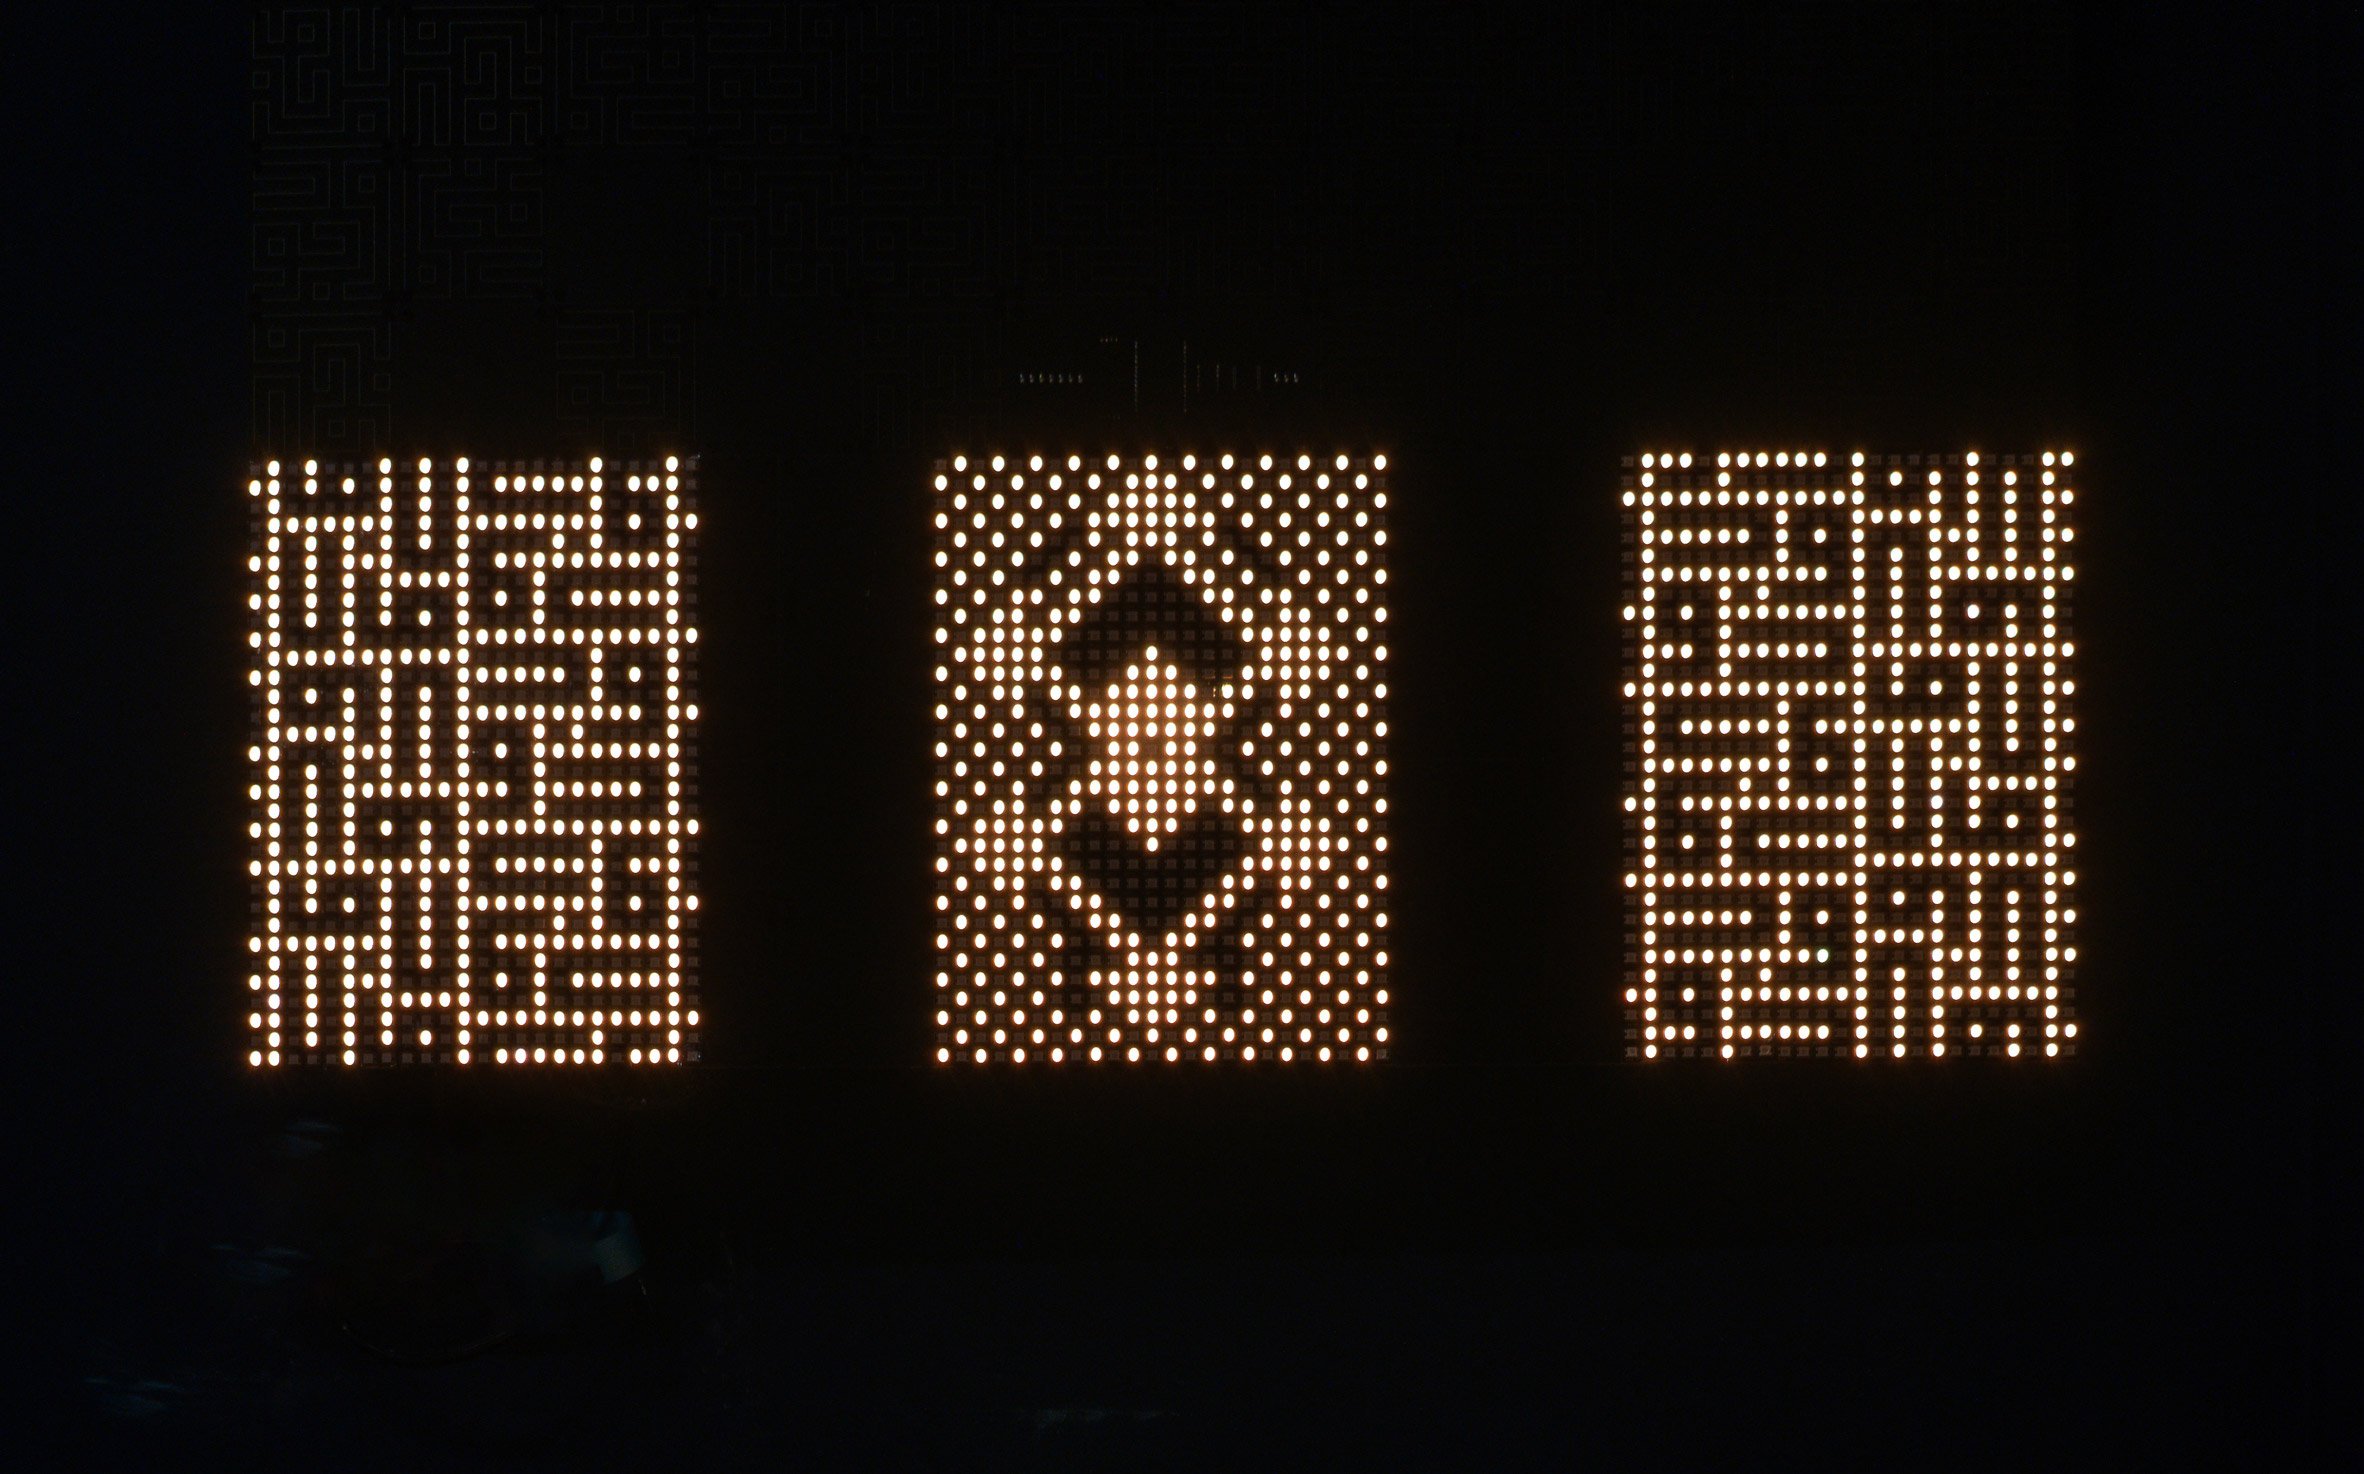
[(1161, 759), (1850, 718), (473, 826)]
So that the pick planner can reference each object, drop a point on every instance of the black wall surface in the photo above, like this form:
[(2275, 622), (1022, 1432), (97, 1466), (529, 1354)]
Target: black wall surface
[(820, 245)]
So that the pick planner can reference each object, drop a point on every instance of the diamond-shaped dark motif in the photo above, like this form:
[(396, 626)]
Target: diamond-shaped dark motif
[(1150, 609)]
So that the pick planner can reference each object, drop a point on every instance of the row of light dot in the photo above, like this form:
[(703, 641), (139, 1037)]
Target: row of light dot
[(1156, 514), (2056, 685), (279, 526)]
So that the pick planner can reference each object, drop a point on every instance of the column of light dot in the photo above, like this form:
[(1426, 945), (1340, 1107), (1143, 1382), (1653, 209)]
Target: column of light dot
[(311, 773), (2058, 728), (388, 901), (463, 886), (1932, 777)]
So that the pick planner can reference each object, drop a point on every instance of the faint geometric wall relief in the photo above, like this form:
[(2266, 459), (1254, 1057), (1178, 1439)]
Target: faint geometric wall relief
[(397, 160), (323, 379), (627, 373)]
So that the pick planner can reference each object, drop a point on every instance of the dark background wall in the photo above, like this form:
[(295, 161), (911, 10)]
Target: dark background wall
[(819, 245)]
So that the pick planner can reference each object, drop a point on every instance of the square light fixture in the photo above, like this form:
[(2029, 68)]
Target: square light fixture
[(472, 801), (1161, 759), (1850, 723)]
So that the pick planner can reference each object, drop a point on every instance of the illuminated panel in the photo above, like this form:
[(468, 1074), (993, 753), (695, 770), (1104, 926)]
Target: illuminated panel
[(1850, 741), (1161, 759), (473, 783)]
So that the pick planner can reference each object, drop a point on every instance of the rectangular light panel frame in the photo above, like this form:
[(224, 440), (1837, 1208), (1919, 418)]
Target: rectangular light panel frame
[(473, 823), (1850, 722), (1161, 759)]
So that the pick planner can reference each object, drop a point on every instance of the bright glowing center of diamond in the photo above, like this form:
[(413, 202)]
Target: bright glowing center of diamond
[(1155, 753)]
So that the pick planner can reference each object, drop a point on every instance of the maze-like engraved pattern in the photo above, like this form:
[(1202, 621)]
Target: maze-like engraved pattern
[(622, 370), (1161, 759), (473, 827), (1850, 742), (401, 157)]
